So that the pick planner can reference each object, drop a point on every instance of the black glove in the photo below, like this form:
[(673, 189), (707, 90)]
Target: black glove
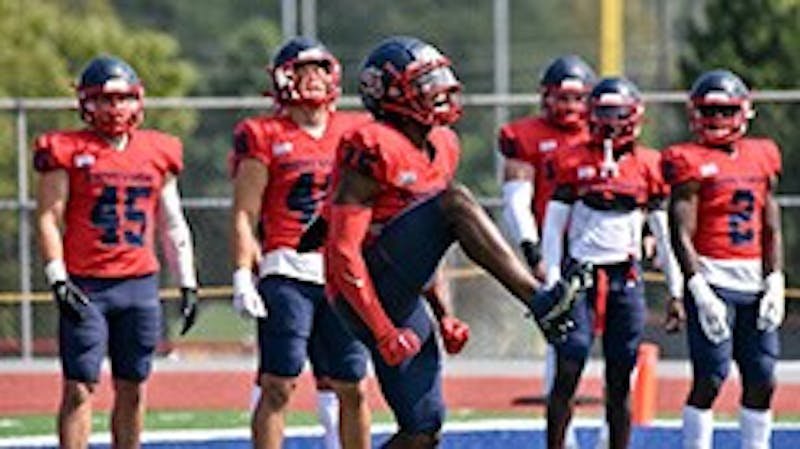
[(188, 308), (314, 235), (532, 252), (551, 307), (72, 302)]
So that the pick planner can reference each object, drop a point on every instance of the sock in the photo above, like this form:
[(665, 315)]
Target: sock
[(328, 414), (756, 428), (698, 428)]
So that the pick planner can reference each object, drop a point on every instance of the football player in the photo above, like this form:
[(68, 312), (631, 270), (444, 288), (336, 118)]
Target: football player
[(393, 214), (605, 190), (281, 169), (529, 144), (111, 184), (726, 231)]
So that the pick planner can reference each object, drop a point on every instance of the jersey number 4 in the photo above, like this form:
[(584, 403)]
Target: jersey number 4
[(106, 217), (739, 227), (304, 196)]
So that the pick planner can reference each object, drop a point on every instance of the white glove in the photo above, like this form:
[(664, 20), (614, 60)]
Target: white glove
[(772, 307), (711, 310), (246, 299)]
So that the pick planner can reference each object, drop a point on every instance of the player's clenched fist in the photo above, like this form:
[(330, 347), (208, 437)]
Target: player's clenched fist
[(455, 334), (398, 345)]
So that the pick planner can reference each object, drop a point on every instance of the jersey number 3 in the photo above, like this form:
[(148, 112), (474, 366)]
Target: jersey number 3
[(739, 228), (105, 216)]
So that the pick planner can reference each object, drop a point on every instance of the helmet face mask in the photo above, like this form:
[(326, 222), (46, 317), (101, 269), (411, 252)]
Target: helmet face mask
[(719, 108), (616, 112), (110, 96), (290, 71), (564, 87), (409, 78)]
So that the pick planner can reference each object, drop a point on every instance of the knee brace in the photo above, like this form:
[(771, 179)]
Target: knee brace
[(704, 392)]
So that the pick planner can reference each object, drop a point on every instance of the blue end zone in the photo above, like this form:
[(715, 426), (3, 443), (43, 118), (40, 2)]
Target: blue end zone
[(496, 434)]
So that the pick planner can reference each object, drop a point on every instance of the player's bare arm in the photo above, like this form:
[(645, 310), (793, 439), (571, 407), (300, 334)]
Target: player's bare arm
[(51, 199), (682, 217), (773, 236), (248, 188)]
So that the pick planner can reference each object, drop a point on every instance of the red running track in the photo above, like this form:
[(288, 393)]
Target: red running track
[(38, 393)]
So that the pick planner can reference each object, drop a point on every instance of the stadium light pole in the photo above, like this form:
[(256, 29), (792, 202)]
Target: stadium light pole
[(612, 45)]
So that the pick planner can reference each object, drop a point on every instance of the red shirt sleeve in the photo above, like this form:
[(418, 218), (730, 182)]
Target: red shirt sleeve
[(656, 185), (250, 140), (173, 154), (362, 153), (678, 167), (51, 152)]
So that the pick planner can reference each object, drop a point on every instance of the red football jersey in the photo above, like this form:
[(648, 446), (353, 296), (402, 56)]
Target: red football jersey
[(639, 177), (110, 214), (534, 140), (406, 173), (299, 168), (733, 189)]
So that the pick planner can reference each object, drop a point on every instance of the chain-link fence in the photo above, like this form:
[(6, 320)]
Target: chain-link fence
[(500, 330)]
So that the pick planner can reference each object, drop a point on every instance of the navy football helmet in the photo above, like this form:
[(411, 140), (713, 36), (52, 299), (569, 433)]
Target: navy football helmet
[(564, 87), (616, 111), (719, 107), (286, 81), (110, 96), (404, 76)]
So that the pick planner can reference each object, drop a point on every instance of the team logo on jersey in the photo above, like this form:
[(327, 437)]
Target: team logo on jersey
[(83, 160), (281, 148), (586, 172), (547, 145), (407, 177), (709, 169)]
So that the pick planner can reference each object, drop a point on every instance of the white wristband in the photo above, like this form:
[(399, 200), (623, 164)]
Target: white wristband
[(55, 271)]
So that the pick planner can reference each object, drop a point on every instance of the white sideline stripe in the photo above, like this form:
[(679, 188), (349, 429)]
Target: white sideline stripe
[(494, 425)]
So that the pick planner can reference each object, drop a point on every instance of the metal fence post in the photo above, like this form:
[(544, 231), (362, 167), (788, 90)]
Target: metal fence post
[(23, 204)]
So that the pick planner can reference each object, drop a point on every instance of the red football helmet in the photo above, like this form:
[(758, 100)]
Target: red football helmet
[(404, 76), (287, 82), (564, 87), (719, 108), (616, 112), (110, 96)]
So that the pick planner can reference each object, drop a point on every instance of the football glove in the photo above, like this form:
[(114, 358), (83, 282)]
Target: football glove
[(246, 299), (188, 308), (772, 307), (72, 302), (711, 310), (551, 307), (398, 345), (455, 334)]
